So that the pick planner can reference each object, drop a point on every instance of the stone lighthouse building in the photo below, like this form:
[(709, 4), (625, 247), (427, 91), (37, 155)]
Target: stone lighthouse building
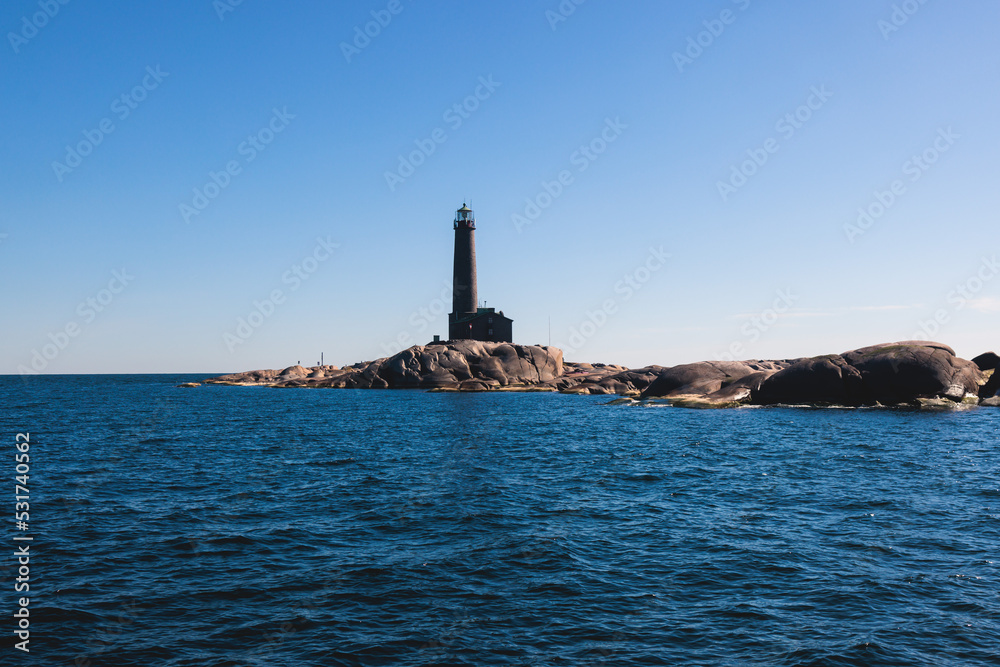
[(467, 320)]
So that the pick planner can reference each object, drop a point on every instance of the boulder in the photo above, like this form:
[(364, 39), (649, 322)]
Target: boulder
[(639, 378), (992, 387), (604, 379), (702, 378), (464, 365), (886, 374), (828, 380), (896, 373), (741, 390), (987, 361)]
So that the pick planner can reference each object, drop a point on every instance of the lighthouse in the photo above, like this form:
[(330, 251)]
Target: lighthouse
[(467, 320), (465, 298)]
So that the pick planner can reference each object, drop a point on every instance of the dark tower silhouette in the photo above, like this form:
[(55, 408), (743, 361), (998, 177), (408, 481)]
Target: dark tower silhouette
[(464, 300), (467, 319)]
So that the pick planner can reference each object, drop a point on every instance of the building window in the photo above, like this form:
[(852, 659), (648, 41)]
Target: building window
[(491, 321), (491, 332)]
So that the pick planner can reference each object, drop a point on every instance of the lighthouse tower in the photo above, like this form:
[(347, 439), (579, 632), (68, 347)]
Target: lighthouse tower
[(464, 300), (467, 320)]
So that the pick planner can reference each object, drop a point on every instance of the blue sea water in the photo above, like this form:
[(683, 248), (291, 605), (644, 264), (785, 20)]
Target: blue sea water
[(252, 526)]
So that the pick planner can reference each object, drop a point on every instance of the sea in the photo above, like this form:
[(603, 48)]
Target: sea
[(255, 526)]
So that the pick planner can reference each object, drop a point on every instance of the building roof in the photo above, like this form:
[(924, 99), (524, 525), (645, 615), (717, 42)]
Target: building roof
[(464, 209), (482, 312)]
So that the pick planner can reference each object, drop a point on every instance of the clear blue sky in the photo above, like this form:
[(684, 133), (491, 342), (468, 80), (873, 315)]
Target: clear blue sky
[(679, 117)]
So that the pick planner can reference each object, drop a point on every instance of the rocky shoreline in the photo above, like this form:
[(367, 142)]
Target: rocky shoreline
[(910, 373)]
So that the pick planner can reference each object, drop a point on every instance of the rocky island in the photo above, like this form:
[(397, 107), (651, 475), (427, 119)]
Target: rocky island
[(910, 373), (481, 357)]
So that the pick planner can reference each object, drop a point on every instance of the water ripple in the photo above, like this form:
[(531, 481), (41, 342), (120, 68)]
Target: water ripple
[(230, 526)]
